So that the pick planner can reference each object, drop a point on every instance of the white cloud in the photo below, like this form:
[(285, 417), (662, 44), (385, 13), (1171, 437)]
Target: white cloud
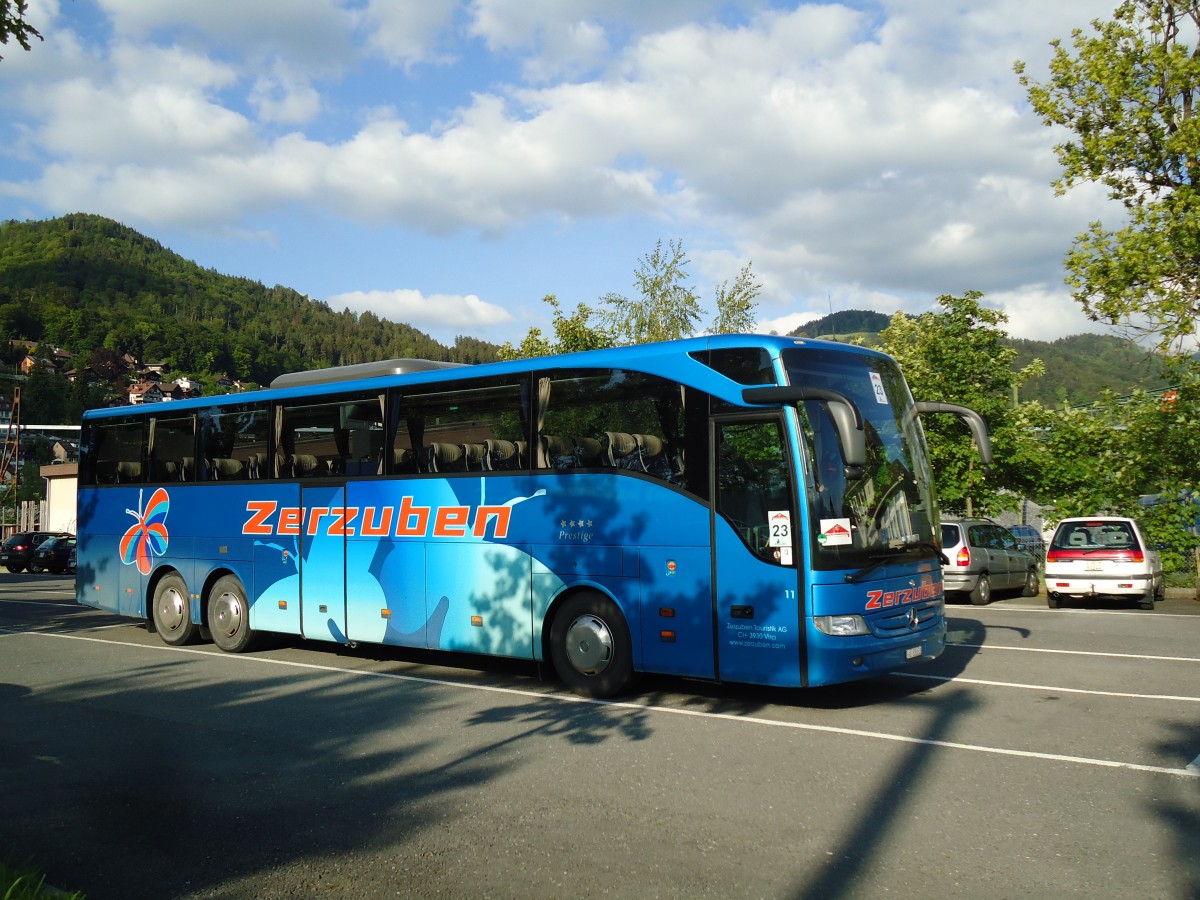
[(313, 33), (445, 312), (282, 98), (877, 154), (406, 32)]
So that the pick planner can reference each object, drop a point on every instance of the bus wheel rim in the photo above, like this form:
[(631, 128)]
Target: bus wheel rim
[(172, 610), (228, 611), (589, 645)]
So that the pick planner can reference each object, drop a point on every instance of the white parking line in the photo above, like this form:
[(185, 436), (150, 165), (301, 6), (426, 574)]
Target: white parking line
[(642, 707), (1141, 656), (959, 679)]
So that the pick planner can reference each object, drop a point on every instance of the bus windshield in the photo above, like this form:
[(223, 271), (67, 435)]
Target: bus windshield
[(857, 515)]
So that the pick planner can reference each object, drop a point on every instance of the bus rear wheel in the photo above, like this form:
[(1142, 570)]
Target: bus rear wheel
[(172, 617), (590, 646), (229, 616)]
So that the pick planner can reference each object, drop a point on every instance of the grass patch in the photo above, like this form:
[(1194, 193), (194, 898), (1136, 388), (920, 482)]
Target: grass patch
[(26, 882)]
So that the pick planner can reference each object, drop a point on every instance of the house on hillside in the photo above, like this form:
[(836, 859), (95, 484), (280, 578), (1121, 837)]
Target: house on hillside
[(145, 392), (31, 364), (182, 389)]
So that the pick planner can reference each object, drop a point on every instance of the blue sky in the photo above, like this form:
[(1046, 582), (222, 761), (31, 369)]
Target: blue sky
[(448, 164)]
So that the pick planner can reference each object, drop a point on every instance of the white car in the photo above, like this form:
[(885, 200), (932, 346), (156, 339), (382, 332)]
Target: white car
[(1106, 556)]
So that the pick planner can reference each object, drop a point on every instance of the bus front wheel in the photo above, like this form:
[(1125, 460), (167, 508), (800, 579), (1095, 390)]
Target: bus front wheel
[(590, 646), (172, 618), (229, 616)]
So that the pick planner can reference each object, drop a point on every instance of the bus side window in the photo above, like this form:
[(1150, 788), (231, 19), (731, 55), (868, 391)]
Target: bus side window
[(117, 453), (617, 419), (233, 444), (172, 440), (475, 426), (752, 480)]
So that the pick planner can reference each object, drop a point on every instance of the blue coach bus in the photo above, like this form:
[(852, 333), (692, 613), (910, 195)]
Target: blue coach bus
[(733, 508)]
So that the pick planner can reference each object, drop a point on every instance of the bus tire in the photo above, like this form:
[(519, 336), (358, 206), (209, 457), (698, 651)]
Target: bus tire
[(229, 616), (171, 611), (590, 646), (981, 594)]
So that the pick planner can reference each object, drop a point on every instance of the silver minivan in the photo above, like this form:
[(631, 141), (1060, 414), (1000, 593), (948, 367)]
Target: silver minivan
[(984, 557), (1102, 556)]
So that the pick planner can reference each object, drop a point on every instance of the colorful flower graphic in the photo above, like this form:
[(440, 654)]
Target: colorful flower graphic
[(149, 535)]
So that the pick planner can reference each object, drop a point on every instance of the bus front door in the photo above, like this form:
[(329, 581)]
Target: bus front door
[(760, 630), (323, 563)]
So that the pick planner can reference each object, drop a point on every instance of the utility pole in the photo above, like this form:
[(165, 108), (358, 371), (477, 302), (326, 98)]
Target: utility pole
[(11, 455)]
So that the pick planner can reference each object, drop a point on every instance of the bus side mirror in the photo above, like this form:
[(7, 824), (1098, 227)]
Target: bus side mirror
[(847, 418), (973, 420)]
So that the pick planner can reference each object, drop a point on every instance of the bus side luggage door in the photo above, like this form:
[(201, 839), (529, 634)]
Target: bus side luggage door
[(323, 563)]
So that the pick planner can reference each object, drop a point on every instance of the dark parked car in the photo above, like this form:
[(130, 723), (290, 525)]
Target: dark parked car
[(984, 556), (56, 555), (16, 554), (1029, 538)]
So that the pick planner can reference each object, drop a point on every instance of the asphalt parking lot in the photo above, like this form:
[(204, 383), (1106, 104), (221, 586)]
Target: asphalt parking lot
[(1046, 753)]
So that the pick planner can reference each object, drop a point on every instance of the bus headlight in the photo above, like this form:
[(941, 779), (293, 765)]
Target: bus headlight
[(841, 625)]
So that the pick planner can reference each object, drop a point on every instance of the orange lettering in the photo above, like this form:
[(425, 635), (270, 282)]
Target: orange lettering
[(289, 520), (314, 517), (343, 517), (451, 521), (260, 511), (383, 528), (500, 513), (408, 512)]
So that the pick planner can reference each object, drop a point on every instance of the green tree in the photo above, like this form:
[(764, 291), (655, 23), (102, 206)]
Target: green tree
[(571, 333), (667, 307), (1127, 92), (736, 303), (13, 24), (959, 356)]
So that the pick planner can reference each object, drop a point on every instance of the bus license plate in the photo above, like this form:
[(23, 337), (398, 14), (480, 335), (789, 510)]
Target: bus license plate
[(912, 652), (1094, 565)]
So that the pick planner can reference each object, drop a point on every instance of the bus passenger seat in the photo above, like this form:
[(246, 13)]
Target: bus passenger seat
[(621, 450), (187, 468), (404, 460), (558, 452), (474, 457), (255, 463), (587, 451), (223, 469), (502, 455), (655, 459), (445, 458), (304, 465), (129, 472)]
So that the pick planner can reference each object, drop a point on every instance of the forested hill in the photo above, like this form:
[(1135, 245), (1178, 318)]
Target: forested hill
[(1079, 368), (83, 282)]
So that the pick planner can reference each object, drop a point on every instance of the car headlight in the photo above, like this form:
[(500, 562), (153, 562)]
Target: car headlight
[(841, 625)]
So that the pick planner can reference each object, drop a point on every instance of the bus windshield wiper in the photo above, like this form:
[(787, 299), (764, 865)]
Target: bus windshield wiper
[(907, 551)]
